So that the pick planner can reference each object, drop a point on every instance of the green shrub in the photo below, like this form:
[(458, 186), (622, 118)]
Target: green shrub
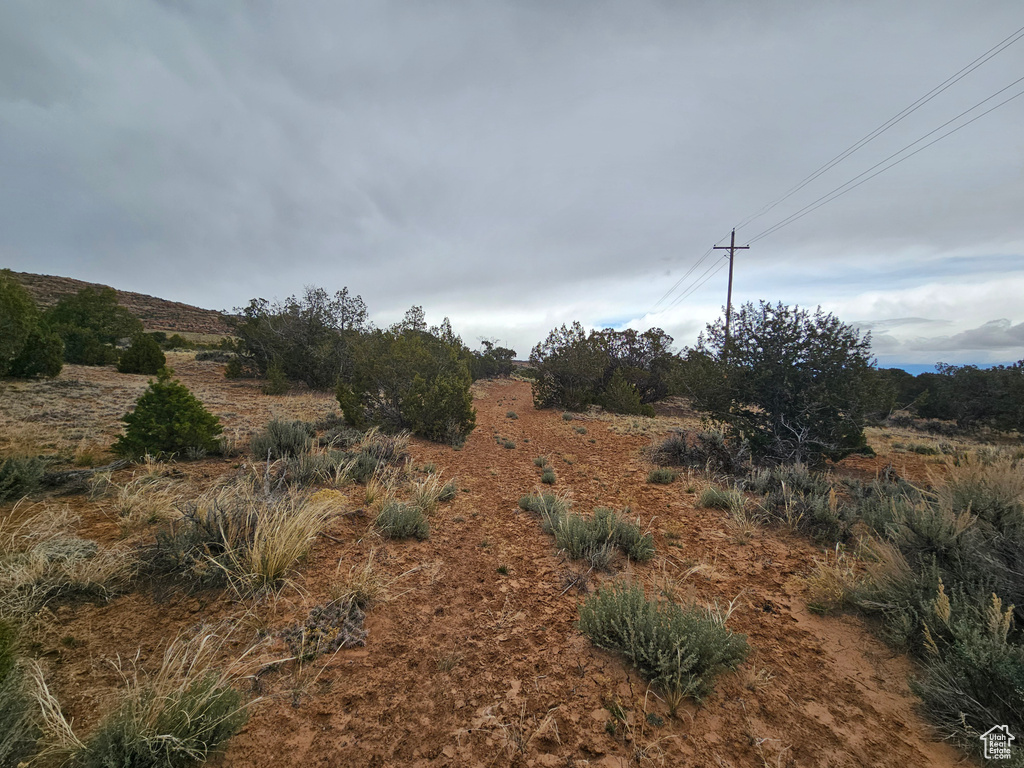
[(90, 322), (794, 386), (680, 650), (143, 356), (167, 420), (42, 355), (20, 476), (512, 415), (27, 348), (620, 396), (547, 505), (364, 466), (548, 476), (448, 491), (277, 382), (176, 341), (566, 416), (662, 476), (281, 439), (402, 521), (328, 628), (540, 461)]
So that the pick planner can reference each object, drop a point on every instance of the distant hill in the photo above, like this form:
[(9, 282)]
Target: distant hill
[(155, 314)]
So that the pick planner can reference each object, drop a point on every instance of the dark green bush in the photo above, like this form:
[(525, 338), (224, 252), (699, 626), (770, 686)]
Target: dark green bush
[(548, 476), (795, 386), (27, 347), (20, 476), (281, 439), (90, 322), (680, 650), (620, 396), (277, 382), (176, 341), (410, 379), (402, 521), (167, 420), (143, 356)]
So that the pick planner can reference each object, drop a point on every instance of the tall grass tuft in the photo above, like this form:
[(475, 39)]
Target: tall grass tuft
[(680, 650), (175, 717)]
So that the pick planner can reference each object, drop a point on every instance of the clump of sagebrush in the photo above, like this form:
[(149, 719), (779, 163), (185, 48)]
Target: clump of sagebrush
[(540, 461), (939, 579), (402, 521), (545, 504), (20, 476), (679, 649), (236, 534), (281, 439), (548, 476), (175, 717), (596, 537), (142, 356), (167, 420), (701, 450), (448, 491), (662, 476), (328, 628)]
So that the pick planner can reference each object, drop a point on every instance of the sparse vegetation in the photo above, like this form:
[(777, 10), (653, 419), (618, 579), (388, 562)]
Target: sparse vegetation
[(20, 476), (680, 650)]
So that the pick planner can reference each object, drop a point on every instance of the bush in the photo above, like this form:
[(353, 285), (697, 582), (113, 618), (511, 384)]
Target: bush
[(662, 476), (20, 476), (176, 341), (729, 499), (548, 476), (410, 379), (709, 451), (680, 650), (143, 356), (277, 382), (27, 348), (167, 420), (594, 538), (90, 322), (796, 386), (402, 521), (281, 439), (621, 370)]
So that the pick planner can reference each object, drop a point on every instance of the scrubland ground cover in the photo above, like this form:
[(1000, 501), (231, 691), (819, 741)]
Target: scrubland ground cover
[(320, 594)]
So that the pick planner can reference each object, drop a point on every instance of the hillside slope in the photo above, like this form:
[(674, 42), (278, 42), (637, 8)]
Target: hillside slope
[(156, 314)]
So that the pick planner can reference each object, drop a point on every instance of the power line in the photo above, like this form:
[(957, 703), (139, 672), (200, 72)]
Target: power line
[(842, 189), (943, 86), (681, 279), (696, 284)]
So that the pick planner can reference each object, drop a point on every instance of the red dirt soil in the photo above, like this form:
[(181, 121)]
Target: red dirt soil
[(469, 666)]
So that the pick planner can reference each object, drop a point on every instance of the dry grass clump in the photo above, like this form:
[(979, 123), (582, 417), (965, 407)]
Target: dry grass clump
[(251, 539), (18, 729), (41, 560), (177, 716), (831, 585), (142, 501), (328, 628)]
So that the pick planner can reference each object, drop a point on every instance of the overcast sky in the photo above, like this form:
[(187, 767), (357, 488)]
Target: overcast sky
[(518, 165)]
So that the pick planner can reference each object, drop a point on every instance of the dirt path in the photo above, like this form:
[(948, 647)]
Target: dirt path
[(475, 660)]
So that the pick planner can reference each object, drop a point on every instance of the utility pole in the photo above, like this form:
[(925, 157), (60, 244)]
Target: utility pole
[(732, 248)]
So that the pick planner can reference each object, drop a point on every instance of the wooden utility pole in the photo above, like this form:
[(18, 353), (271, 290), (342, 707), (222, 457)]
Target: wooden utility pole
[(732, 248)]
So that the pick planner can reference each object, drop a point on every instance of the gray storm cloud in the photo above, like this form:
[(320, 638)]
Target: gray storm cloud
[(513, 165)]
